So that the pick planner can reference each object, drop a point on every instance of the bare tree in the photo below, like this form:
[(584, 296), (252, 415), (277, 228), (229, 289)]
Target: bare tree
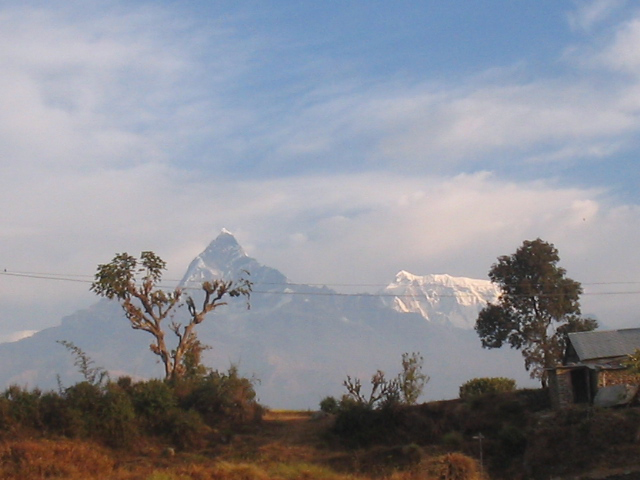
[(406, 388), (135, 284)]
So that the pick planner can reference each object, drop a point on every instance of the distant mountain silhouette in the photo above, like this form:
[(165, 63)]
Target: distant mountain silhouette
[(299, 341)]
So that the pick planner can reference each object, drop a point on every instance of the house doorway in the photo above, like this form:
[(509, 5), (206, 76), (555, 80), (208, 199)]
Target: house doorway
[(581, 385)]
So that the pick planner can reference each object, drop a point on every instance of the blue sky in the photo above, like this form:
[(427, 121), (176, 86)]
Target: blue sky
[(340, 141)]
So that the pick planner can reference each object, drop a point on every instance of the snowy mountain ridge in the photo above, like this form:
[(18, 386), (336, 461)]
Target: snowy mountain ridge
[(441, 298), (299, 340)]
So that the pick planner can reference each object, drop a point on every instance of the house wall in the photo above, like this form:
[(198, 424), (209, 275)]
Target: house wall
[(607, 378), (560, 387)]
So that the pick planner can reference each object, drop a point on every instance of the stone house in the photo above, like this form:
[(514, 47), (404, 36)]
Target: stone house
[(593, 369)]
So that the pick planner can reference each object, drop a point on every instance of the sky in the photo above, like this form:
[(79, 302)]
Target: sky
[(341, 142)]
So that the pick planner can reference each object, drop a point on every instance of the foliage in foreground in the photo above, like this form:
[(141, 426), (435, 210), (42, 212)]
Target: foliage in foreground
[(482, 386), (503, 419), (184, 413)]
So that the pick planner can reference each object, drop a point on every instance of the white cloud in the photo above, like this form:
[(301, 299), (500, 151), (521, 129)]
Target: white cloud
[(97, 155), (590, 13), (623, 53), (125, 86)]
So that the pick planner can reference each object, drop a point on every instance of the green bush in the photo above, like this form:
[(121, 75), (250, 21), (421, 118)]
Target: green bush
[(24, 406), (329, 405), (58, 418), (186, 429), (220, 397), (152, 401), (119, 413), (482, 386), (513, 440), (6, 419), (118, 417), (453, 440)]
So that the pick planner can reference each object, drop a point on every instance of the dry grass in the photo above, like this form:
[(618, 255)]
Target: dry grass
[(27, 459), (286, 446)]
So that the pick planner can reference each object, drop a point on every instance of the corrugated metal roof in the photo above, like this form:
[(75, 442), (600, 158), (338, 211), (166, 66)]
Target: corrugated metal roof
[(605, 344)]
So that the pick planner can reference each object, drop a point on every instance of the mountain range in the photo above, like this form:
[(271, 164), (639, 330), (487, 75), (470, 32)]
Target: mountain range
[(298, 341)]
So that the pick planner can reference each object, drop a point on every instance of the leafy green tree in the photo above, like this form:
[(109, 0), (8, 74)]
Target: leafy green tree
[(538, 306), (411, 380), (135, 284)]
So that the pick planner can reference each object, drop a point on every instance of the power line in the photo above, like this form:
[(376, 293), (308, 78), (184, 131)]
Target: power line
[(90, 278), (80, 279)]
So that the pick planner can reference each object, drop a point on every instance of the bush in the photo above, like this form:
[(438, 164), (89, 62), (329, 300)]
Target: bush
[(220, 397), (152, 401), (587, 435), (453, 440), (24, 406), (118, 417), (482, 386), (6, 419), (186, 429), (118, 413), (329, 405), (453, 466)]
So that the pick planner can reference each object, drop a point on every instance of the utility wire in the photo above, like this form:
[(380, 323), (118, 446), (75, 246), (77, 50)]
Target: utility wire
[(90, 278), (80, 279)]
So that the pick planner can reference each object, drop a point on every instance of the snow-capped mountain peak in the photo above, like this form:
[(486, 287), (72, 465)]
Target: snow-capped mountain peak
[(225, 259), (441, 298)]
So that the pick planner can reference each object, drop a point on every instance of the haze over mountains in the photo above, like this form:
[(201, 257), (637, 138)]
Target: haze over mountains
[(298, 341)]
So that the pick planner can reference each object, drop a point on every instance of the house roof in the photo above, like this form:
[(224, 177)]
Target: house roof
[(605, 344)]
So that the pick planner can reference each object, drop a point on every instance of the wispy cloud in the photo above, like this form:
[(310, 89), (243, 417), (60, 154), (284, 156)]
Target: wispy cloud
[(591, 12)]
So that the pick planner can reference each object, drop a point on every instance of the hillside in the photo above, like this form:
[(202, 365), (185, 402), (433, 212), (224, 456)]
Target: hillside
[(577, 444)]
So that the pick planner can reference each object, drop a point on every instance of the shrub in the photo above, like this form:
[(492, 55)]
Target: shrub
[(58, 418), (118, 424), (482, 386), (329, 405), (220, 397), (152, 401), (453, 440), (453, 466), (6, 419), (513, 440), (24, 405), (186, 429), (358, 424)]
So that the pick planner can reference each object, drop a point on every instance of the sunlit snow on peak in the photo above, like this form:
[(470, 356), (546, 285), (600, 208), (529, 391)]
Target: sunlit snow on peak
[(441, 298)]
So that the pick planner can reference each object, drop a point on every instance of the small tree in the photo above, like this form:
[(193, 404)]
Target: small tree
[(537, 308), (134, 283), (92, 374), (405, 388), (382, 392), (411, 380)]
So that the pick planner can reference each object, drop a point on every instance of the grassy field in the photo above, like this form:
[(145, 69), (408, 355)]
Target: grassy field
[(286, 445), (522, 439)]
